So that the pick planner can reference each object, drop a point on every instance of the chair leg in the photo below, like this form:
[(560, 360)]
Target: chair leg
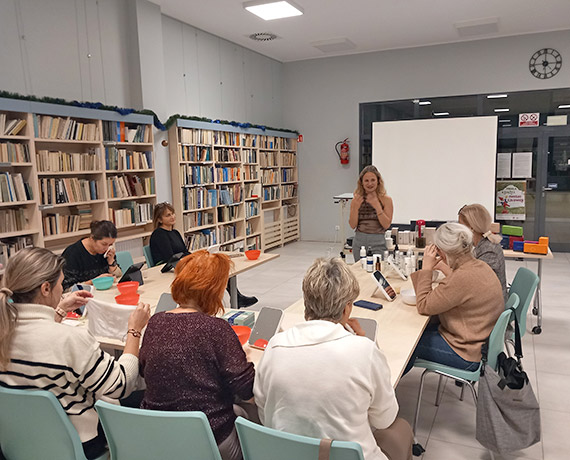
[(420, 391), (473, 392), (439, 394), (462, 390)]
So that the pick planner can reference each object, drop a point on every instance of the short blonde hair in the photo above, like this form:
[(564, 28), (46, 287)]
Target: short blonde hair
[(476, 217), (328, 287), (455, 240)]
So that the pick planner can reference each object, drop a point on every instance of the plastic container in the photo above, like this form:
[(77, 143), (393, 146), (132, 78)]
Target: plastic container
[(243, 333), (103, 283), (128, 287), (252, 254), (127, 299), (408, 296)]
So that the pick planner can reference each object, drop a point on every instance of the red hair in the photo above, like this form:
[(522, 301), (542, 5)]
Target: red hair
[(201, 278)]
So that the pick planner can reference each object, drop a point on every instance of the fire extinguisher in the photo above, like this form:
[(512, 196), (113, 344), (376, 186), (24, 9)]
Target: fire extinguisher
[(343, 152)]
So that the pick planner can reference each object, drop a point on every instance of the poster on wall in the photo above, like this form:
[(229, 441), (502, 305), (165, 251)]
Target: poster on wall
[(510, 204)]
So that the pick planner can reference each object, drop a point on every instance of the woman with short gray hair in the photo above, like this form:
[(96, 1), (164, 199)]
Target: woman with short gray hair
[(320, 379)]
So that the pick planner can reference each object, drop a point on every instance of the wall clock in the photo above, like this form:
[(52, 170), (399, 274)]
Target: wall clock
[(545, 63)]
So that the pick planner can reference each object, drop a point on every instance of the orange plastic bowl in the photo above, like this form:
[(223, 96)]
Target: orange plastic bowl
[(243, 333), (128, 299), (128, 287), (252, 254)]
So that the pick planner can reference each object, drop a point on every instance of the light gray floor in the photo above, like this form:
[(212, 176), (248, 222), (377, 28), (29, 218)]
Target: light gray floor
[(448, 431)]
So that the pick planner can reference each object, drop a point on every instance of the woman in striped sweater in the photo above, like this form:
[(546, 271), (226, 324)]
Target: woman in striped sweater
[(37, 352)]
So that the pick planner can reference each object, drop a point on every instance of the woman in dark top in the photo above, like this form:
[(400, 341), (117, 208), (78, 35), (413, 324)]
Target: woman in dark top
[(193, 361), (91, 257), (371, 212)]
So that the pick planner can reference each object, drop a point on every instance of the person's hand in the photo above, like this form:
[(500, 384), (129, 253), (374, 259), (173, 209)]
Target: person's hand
[(430, 257), (356, 327), (111, 255), (74, 300), (247, 349), (372, 199), (390, 291), (139, 318), (357, 200)]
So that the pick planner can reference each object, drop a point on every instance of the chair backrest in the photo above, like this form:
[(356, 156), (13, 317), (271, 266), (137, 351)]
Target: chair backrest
[(148, 256), (262, 443), (34, 425), (524, 285), (497, 337), (133, 434), (124, 259)]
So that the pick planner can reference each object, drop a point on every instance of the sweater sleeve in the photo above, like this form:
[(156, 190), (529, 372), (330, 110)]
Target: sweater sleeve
[(435, 301), (160, 246), (383, 406)]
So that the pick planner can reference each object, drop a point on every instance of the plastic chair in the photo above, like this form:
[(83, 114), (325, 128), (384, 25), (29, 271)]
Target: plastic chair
[(262, 443), (524, 285), (496, 344), (124, 259), (134, 434), (34, 425), (148, 256)]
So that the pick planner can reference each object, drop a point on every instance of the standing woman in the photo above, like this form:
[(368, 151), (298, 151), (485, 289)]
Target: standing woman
[(91, 257), (371, 212), (165, 241)]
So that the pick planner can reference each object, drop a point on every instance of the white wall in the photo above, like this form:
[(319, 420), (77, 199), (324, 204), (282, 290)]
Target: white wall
[(321, 97)]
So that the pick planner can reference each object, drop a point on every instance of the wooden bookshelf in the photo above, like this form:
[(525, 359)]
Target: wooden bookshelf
[(219, 177)]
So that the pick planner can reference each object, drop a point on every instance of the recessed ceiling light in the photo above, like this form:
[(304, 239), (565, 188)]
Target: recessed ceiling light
[(269, 10), (440, 114), (501, 110), (424, 103), (496, 96), (564, 106)]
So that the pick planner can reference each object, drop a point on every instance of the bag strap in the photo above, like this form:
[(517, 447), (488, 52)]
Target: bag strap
[(518, 342), (325, 449)]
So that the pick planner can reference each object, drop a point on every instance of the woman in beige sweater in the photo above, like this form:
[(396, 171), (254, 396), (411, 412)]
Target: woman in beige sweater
[(467, 302)]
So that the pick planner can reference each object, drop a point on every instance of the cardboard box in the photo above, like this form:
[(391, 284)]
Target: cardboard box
[(512, 230), (240, 318), (532, 248), (505, 242), (512, 239), (495, 227), (519, 246)]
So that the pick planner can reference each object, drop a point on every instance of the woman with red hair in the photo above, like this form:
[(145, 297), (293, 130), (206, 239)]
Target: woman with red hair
[(193, 361)]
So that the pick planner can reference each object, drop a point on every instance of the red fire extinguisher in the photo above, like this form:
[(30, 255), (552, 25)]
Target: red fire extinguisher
[(343, 152)]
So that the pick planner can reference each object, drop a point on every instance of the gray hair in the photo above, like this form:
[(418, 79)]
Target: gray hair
[(455, 240), (328, 287)]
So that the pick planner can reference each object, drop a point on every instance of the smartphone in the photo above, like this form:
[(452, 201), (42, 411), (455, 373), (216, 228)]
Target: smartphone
[(370, 327), (383, 285), (366, 304), (266, 326), (396, 269), (81, 287)]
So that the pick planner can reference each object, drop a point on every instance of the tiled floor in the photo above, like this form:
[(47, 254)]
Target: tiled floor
[(448, 431)]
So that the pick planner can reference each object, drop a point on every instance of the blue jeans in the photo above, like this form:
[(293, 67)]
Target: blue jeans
[(433, 347)]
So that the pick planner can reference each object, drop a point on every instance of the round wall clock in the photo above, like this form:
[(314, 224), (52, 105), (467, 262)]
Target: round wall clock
[(545, 63)]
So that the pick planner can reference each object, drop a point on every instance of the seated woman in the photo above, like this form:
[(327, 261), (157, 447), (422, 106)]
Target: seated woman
[(91, 257), (190, 359), (318, 379), (468, 301), (36, 352), (165, 241)]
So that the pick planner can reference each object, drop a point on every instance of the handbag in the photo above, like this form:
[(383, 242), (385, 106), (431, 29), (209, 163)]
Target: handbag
[(508, 414)]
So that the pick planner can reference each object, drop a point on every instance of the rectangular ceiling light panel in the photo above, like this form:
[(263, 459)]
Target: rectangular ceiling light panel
[(270, 10)]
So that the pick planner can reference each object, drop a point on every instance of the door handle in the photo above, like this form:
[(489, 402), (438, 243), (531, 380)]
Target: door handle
[(546, 189)]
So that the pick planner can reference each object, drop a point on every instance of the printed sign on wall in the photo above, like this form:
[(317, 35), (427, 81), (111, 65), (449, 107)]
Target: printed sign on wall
[(510, 204), (529, 119)]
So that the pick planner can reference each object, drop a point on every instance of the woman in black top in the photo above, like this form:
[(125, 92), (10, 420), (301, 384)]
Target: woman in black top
[(91, 257), (165, 241)]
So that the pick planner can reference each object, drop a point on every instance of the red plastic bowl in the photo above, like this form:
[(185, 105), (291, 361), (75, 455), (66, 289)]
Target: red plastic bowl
[(128, 299), (252, 254), (128, 287), (243, 333)]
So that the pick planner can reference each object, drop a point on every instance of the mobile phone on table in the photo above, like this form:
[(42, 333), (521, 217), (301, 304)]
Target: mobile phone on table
[(266, 326), (366, 304), (384, 286)]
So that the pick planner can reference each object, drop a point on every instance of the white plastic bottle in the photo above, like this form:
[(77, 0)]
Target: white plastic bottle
[(363, 257), (369, 261)]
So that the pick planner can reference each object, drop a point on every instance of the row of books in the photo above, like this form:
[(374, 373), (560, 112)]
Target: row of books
[(227, 233), (126, 185), (47, 127), (55, 224), (288, 143), (131, 213), (14, 153), (67, 190), (289, 191), (231, 194), (228, 213), (232, 155), (253, 243), (13, 188), (288, 159), (271, 193), (13, 220), (236, 246), (119, 131), (268, 159), (121, 159), (287, 175), (194, 153), (249, 156), (270, 176), (228, 174), (198, 219), (269, 142), (252, 190), (195, 136), (251, 209), (248, 140), (10, 246), (11, 127), (202, 239), (226, 138), (66, 162), (250, 172), (195, 175), (199, 198)]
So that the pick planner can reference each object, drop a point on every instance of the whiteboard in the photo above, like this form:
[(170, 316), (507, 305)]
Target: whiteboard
[(431, 168)]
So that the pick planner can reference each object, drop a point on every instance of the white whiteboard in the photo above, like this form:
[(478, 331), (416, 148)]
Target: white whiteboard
[(431, 168)]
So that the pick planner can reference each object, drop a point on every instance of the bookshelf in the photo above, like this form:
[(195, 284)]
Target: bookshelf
[(227, 186), (77, 165)]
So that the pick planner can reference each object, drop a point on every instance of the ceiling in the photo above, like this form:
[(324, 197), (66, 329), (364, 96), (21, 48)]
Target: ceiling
[(371, 25)]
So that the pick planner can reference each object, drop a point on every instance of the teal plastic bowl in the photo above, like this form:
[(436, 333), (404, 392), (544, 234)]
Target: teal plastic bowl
[(103, 283)]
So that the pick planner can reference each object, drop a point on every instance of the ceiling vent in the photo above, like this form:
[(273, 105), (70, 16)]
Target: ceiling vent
[(263, 36), (474, 27), (334, 45)]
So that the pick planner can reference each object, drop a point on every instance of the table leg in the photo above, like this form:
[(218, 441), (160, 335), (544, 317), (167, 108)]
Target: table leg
[(233, 292), (537, 308)]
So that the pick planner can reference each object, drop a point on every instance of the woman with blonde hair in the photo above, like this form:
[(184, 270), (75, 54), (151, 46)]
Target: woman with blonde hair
[(371, 212), (190, 359), (38, 353)]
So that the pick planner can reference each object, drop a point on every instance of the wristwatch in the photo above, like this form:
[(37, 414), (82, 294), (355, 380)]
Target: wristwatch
[(114, 264)]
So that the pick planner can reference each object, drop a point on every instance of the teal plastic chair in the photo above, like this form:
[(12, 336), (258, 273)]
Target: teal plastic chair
[(124, 259), (33, 425), (148, 256), (135, 434), (524, 285), (262, 443), (468, 378)]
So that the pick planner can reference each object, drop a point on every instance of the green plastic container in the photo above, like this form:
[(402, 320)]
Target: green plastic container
[(512, 230)]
